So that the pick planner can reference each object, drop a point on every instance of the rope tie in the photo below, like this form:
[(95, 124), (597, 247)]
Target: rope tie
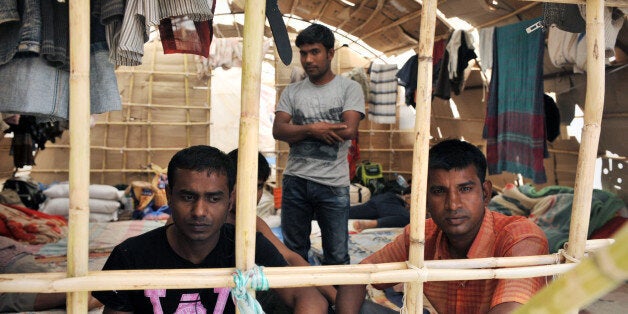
[(256, 280), (608, 267), (422, 277), (567, 256)]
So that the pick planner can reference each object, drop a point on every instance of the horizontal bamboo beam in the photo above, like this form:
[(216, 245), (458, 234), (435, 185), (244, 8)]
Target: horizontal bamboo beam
[(437, 270), (165, 106), (36, 170), (509, 15), (120, 149), (608, 3), (142, 123), (124, 71), (278, 277)]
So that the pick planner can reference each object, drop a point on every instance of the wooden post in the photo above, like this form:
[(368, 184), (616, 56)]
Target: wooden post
[(594, 106), (414, 293), (249, 129), (78, 248)]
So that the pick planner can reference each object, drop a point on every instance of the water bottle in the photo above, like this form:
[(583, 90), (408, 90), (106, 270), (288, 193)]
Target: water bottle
[(401, 181)]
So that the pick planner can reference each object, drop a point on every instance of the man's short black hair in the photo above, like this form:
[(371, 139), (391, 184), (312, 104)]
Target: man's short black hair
[(263, 168), (316, 34), (202, 158), (457, 154)]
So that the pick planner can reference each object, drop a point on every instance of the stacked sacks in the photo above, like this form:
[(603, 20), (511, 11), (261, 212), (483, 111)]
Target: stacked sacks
[(104, 201)]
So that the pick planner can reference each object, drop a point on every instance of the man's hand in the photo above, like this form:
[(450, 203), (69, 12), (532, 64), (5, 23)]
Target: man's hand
[(326, 132)]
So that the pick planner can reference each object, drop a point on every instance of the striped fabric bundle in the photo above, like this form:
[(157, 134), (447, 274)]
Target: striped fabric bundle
[(383, 93), (515, 120), (140, 15)]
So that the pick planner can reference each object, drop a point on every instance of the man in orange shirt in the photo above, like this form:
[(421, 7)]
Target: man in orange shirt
[(462, 227)]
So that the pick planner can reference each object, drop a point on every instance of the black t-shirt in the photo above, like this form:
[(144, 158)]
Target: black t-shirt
[(152, 251)]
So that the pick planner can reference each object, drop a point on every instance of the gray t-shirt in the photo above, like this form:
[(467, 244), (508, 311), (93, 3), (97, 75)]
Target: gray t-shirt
[(308, 103)]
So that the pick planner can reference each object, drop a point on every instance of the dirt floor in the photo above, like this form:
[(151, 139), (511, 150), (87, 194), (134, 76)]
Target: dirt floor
[(615, 302)]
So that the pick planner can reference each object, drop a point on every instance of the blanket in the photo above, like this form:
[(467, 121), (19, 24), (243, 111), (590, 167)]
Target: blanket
[(550, 208), (27, 225)]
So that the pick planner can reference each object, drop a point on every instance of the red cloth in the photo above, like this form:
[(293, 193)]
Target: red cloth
[(27, 225), (354, 157), (497, 235), (609, 228), (179, 37)]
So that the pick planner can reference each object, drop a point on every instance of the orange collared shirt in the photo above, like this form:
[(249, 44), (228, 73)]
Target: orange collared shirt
[(496, 238)]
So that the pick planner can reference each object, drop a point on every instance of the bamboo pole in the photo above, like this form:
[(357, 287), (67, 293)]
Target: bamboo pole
[(149, 114), (206, 107), (414, 293), (78, 216), (186, 84), (49, 282), (591, 279), (104, 157), (127, 118), (594, 106), (249, 131), (278, 277), (608, 3), (209, 106)]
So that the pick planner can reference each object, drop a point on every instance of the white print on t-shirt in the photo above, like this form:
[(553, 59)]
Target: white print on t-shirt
[(186, 305)]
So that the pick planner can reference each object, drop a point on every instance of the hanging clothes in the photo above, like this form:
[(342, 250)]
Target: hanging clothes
[(383, 97), (359, 75), (515, 123), (20, 29), (180, 34), (461, 51), (407, 75), (140, 15), (486, 47)]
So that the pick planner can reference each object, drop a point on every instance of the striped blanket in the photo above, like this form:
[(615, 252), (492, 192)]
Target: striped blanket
[(383, 93)]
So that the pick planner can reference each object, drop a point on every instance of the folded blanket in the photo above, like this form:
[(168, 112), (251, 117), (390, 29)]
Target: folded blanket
[(31, 226)]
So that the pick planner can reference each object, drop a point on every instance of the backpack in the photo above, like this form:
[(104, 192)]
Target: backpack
[(370, 174), (28, 190)]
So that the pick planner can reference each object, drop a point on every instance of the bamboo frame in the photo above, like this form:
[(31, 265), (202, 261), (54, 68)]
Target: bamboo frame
[(78, 280), (594, 106), (249, 131), (78, 216)]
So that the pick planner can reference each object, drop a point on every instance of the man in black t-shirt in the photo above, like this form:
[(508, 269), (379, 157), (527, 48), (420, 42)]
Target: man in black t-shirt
[(201, 180)]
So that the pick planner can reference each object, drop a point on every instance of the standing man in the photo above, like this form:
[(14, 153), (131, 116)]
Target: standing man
[(318, 117), (200, 185), (462, 227)]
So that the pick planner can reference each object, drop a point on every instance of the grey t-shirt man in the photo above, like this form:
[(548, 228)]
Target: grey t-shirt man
[(308, 103)]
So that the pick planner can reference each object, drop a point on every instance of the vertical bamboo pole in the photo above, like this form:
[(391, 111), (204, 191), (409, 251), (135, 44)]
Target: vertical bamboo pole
[(78, 248), (209, 105), (127, 119), (594, 106), (186, 86), (254, 16), (414, 293), (149, 114)]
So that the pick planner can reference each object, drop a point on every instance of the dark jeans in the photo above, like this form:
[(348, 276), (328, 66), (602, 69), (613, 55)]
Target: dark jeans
[(301, 201), (387, 208)]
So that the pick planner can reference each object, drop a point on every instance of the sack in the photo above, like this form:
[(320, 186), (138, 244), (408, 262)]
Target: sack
[(27, 189), (370, 174), (10, 197), (358, 194)]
